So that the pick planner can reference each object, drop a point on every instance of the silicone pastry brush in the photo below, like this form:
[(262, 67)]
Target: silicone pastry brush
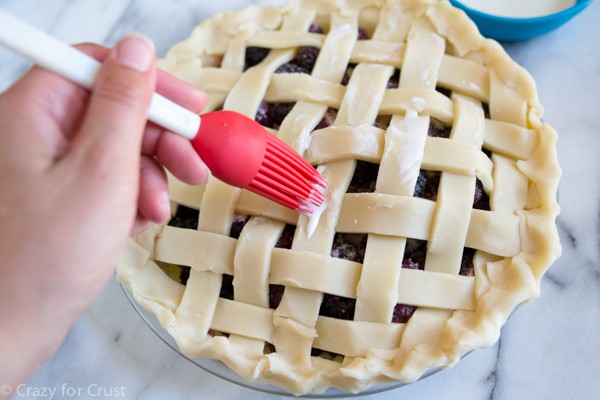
[(237, 150)]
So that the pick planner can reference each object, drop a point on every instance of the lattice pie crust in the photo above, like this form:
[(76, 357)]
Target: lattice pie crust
[(448, 73)]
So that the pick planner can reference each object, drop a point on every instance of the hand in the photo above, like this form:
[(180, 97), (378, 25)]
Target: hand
[(79, 172)]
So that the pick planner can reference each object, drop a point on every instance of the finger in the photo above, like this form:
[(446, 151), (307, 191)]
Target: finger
[(111, 134), (178, 155), (93, 50), (139, 225), (181, 92), (153, 200)]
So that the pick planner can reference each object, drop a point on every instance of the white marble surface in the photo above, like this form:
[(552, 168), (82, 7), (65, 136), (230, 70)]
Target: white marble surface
[(549, 349)]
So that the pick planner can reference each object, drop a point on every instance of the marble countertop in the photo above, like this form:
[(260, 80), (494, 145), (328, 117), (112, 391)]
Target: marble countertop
[(549, 349)]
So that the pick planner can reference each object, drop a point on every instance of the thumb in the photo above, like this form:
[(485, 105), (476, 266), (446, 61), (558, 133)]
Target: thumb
[(109, 140)]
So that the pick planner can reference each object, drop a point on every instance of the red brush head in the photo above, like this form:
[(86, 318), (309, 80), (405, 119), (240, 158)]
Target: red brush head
[(240, 152), (232, 145)]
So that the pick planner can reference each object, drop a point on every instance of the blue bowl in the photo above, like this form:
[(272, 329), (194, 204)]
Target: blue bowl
[(513, 29)]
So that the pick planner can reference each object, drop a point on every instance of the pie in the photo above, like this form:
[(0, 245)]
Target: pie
[(441, 203)]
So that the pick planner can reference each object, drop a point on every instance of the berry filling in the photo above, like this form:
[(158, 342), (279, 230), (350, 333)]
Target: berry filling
[(363, 179), (286, 238), (185, 217), (275, 295), (349, 246), (414, 258), (394, 81), (466, 265), (314, 28), (262, 114), (291, 68), (362, 34), (427, 185), (237, 225), (439, 129), (328, 119), (254, 55), (486, 110), (227, 287), (337, 307), (271, 115), (481, 200), (307, 57), (444, 91), (304, 61), (348, 74)]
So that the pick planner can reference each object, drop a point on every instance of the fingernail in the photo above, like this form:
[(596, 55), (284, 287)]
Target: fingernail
[(165, 203), (136, 51), (208, 174)]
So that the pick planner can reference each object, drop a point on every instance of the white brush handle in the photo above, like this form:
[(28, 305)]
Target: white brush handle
[(80, 68)]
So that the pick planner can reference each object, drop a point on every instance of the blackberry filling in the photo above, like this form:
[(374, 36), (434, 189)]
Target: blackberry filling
[(185, 274), (481, 200), (237, 225), (262, 114), (304, 61), (415, 252), (349, 246), (277, 112), (486, 110), (427, 184), (364, 178), (414, 258), (383, 121), (275, 295), (348, 74), (185, 217), (327, 119), (314, 28), (362, 34), (227, 287), (286, 238), (254, 55), (402, 313), (271, 115), (337, 307), (394, 81), (269, 348), (307, 57), (466, 265), (284, 242), (444, 91), (290, 68), (438, 128)]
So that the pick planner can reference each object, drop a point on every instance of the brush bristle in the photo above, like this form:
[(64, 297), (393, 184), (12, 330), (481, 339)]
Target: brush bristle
[(286, 178)]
